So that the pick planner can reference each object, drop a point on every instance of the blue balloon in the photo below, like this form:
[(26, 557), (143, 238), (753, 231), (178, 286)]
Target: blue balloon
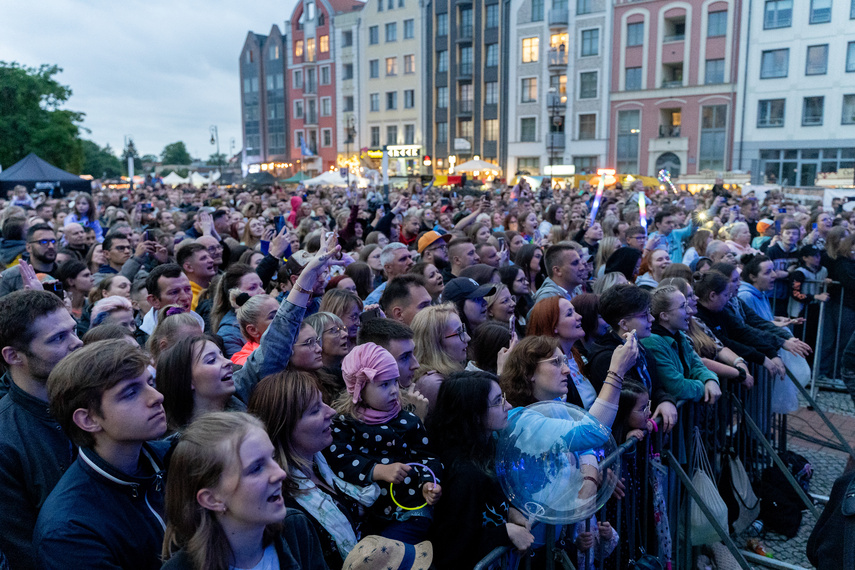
[(547, 461)]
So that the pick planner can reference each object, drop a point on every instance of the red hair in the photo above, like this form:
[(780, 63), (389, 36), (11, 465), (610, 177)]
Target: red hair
[(544, 317)]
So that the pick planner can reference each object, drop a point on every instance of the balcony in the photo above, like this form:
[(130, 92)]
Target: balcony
[(557, 100), (311, 119), (462, 143), (555, 141), (465, 106), (672, 84), (674, 38), (669, 131), (464, 69), (464, 33), (558, 17), (557, 57), (311, 88)]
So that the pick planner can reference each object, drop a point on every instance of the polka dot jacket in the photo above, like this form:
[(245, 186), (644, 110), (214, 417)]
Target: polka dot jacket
[(357, 447)]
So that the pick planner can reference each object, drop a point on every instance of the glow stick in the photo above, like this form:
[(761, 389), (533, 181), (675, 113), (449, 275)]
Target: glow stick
[(600, 187), (665, 178), (642, 210)]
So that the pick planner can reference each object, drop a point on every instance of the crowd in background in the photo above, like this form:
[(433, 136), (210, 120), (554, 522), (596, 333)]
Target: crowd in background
[(229, 377)]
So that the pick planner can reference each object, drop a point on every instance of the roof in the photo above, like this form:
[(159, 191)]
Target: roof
[(342, 6), (31, 168)]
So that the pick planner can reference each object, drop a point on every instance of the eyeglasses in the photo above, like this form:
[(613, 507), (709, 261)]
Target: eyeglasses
[(44, 241), (557, 361), (311, 342), (502, 401), (336, 329), (644, 315), (645, 409), (461, 332)]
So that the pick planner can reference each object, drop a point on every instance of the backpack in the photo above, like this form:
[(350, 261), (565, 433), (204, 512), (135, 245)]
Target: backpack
[(780, 505)]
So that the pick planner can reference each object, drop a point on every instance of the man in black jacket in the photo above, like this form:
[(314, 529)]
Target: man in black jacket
[(626, 308)]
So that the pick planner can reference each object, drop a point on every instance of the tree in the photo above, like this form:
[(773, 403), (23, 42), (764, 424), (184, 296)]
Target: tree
[(31, 119), (175, 153), (216, 159), (131, 152), (100, 162)]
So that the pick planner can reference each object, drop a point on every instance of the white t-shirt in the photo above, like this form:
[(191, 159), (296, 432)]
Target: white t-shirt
[(269, 561)]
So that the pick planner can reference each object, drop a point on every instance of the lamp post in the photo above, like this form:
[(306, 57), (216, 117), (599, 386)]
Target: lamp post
[(215, 139), (553, 122), (351, 134), (130, 150)]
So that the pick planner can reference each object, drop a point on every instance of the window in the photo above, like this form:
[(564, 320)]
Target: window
[(298, 79), (528, 93), (465, 60), (391, 100), (530, 164), (528, 129), (585, 164), (391, 32), (373, 35), (442, 61), (817, 60), (634, 34), (442, 24), (273, 52), (390, 4), (590, 42), (391, 66), (583, 7), (633, 79), (326, 106), (627, 144), (298, 109), (717, 24), (848, 117), (392, 134), (465, 128), (465, 96), (850, 53), (409, 64), (852, 10), (347, 71), (465, 28), (409, 29), (714, 71), (778, 14), (348, 102), (442, 132), (375, 136), (492, 59), (298, 139), (491, 93), (409, 98), (310, 49), (311, 81), (536, 10), (587, 127), (820, 11), (298, 48), (713, 143), (346, 39), (326, 137), (530, 49), (588, 85), (559, 82), (442, 97), (374, 102), (249, 57), (491, 130), (491, 16), (775, 63), (325, 75), (812, 111), (374, 68), (409, 134), (324, 44)]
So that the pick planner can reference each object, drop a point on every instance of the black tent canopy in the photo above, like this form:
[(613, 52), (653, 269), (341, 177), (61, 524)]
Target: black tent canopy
[(37, 174)]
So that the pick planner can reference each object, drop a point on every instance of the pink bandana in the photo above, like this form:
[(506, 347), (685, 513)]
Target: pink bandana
[(369, 363)]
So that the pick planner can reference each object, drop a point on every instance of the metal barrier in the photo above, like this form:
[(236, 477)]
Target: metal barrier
[(741, 422)]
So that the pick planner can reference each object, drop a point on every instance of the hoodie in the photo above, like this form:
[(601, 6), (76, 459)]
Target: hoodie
[(754, 298), (647, 282), (11, 250)]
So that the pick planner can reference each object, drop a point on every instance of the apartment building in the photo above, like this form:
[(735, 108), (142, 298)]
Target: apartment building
[(796, 113), (348, 103), (673, 85)]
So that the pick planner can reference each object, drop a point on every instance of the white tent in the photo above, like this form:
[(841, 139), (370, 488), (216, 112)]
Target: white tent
[(198, 180), (334, 178), (477, 166), (174, 179)]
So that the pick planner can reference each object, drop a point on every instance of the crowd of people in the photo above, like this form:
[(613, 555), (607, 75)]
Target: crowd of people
[(314, 378)]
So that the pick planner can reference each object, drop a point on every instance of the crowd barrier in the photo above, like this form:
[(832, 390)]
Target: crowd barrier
[(741, 423)]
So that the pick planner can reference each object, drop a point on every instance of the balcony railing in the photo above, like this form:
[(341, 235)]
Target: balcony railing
[(670, 84), (310, 88), (674, 38), (311, 119), (465, 106), (465, 69), (559, 17), (555, 100), (669, 131), (464, 32), (557, 57), (555, 141)]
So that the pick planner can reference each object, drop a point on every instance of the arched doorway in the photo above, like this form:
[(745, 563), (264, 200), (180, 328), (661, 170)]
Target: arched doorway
[(670, 162)]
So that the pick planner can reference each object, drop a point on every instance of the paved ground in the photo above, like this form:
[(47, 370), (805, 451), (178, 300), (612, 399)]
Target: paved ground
[(828, 464)]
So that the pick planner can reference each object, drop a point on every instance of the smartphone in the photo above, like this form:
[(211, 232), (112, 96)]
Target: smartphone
[(501, 242), (280, 223), (369, 315), (146, 236), (813, 226), (54, 287), (782, 210), (487, 196)]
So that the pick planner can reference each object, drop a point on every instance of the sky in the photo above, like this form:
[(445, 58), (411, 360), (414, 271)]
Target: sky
[(160, 71)]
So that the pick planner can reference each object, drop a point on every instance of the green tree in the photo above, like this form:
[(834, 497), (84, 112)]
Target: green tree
[(216, 159), (31, 119), (100, 162), (175, 153)]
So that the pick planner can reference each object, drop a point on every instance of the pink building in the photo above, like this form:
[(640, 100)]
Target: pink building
[(673, 85)]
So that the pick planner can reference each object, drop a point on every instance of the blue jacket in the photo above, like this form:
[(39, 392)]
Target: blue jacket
[(98, 517), (754, 298), (674, 241), (34, 453), (229, 331)]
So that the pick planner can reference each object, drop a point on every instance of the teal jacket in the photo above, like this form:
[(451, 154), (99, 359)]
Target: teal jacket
[(684, 378)]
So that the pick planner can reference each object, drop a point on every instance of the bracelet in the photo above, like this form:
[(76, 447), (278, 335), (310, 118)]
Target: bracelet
[(612, 384), (739, 360), (301, 289), (616, 375), (592, 479)]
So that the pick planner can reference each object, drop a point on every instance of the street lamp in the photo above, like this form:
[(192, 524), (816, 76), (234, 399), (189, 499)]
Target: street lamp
[(130, 150), (215, 139), (554, 122), (351, 134)]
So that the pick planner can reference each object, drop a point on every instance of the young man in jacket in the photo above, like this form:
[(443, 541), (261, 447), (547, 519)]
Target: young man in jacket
[(36, 332), (107, 510)]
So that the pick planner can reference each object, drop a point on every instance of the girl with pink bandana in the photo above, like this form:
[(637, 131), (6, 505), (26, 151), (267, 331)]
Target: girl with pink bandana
[(373, 441)]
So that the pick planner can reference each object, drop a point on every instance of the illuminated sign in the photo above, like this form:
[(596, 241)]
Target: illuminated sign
[(404, 151), (560, 170)]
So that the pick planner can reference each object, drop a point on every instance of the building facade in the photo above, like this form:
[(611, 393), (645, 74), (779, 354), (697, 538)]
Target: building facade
[(346, 46), (673, 85), (796, 112)]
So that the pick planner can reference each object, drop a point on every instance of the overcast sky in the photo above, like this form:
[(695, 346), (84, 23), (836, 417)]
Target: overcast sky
[(159, 70)]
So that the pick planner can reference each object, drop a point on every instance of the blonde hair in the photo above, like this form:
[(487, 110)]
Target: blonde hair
[(167, 329), (107, 306), (429, 328), (320, 321), (249, 312), (491, 299), (608, 245)]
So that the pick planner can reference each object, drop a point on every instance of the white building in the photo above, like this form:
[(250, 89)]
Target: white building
[(346, 48), (795, 116)]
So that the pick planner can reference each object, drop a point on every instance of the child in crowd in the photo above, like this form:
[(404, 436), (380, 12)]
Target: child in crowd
[(107, 510), (224, 501), (374, 439), (784, 253), (254, 315), (806, 286)]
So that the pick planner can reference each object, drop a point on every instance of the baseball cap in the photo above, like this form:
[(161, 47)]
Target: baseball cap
[(428, 238), (380, 553), (466, 288), (808, 251), (764, 225)]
